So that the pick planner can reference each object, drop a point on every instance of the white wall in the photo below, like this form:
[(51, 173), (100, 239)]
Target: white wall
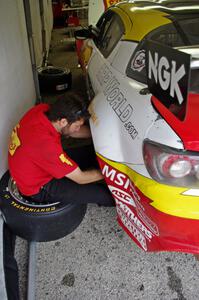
[(17, 92), (48, 20), (37, 27), (95, 10)]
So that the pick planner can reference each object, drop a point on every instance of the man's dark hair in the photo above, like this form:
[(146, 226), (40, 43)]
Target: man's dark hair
[(69, 106)]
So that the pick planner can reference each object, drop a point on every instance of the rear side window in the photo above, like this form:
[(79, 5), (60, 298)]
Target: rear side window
[(111, 30), (190, 29), (184, 31), (167, 35), (194, 81)]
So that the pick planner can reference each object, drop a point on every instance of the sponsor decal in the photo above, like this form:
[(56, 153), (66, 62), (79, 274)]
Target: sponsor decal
[(130, 197), (116, 99), (150, 228), (85, 54), (168, 73), (132, 229), (30, 209), (14, 140), (131, 129), (63, 159), (138, 62), (130, 211), (108, 3), (121, 195), (61, 87), (94, 117), (119, 179), (134, 219)]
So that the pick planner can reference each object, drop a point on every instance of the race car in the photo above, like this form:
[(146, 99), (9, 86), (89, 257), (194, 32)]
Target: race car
[(142, 67)]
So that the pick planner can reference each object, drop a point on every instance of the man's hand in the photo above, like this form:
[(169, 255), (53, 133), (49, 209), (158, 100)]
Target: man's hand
[(83, 177)]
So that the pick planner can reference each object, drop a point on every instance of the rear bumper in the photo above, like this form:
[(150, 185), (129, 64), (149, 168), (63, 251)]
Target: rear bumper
[(157, 217)]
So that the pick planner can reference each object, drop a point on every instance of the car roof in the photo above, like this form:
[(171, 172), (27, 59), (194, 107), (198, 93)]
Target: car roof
[(148, 15)]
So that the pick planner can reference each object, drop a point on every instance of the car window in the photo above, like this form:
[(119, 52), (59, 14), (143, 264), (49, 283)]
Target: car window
[(103, 24), (190, 29), (111, 30), (167, 35), (194, 81), (182, 32)]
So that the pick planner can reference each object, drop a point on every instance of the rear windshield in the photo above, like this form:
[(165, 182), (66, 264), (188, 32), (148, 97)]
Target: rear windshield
[(194, 81), (189, 29), (179, 33)]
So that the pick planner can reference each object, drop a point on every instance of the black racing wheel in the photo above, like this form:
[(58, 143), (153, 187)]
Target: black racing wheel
[(37, 222)]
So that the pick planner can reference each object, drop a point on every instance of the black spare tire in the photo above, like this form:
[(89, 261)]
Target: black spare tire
[(54, 79), (37, 222)]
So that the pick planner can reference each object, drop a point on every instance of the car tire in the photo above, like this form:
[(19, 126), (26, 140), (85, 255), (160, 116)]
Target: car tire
[(35, 222), (54, 79)]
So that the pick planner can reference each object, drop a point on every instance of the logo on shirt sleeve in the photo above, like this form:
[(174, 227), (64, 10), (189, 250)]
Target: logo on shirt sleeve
[(14, 141), (63, 159)]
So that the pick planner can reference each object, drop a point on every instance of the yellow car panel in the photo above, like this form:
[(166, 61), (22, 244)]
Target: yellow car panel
[(133, 19)]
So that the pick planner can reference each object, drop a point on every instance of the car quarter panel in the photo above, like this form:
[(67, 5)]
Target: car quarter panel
[(122, 113), (122, 56)]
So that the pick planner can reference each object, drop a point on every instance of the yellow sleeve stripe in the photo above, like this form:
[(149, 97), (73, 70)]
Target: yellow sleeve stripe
[(63, 159)]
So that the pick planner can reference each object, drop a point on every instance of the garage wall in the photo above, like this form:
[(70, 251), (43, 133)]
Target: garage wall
[(95, 10), (17, 92), (48, 20), (37, 27)]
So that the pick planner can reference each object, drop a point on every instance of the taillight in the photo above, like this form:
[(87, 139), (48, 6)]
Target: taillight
[(171, 166)]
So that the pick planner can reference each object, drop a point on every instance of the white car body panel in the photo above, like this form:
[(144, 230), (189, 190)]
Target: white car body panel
[(121, 129), (122, 56), (162, 133)]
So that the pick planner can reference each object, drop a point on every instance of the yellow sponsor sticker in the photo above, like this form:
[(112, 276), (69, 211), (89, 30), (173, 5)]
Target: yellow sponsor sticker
[(14, 141), (63, 159), (108, 3), (85, 55), (94, 117)]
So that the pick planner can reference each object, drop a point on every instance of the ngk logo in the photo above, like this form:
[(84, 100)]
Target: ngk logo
[(166, 74)]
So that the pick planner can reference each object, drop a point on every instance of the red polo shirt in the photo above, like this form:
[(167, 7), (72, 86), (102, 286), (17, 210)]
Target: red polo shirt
[(35, 152)]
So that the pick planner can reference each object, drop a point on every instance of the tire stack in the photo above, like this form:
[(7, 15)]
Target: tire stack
[(54, 79)]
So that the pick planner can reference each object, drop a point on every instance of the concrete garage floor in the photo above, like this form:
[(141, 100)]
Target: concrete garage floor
[(98, 261)]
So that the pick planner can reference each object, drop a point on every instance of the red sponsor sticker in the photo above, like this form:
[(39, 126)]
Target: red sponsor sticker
[(149, 228)]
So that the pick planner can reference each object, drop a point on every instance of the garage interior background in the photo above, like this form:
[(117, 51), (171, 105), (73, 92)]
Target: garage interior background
[(17, 78), (98, 260)]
